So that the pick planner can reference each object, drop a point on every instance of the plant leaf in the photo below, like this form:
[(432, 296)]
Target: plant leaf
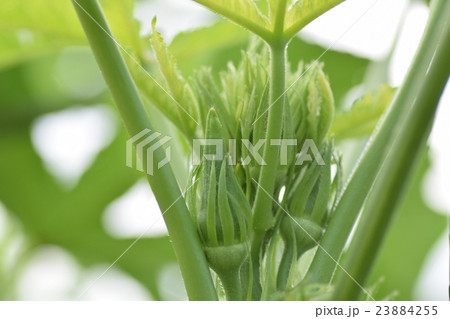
[(184, 113), (277, 12), (214, 46), (362, 118), (226, 217), (23, 34), (303, 12), (242, 12)]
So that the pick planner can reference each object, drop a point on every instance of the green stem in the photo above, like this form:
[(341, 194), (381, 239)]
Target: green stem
[(232, 286), (262, 209), (184, 237), (394, 176), (257, 241), (362, 178)]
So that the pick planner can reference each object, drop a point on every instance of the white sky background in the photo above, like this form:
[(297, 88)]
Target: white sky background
[(372, 36)]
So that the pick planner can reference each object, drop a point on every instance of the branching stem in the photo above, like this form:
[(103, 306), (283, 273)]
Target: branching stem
[(184, 237), (362, 178), (394, 175)]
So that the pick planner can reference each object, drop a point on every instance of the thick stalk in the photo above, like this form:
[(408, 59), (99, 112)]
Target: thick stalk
[(361, 180), (394, 176), (192, 261), (232, 286), (262, 209)]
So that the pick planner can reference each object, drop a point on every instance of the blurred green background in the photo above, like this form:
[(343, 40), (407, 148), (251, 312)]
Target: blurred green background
[(69, 207)]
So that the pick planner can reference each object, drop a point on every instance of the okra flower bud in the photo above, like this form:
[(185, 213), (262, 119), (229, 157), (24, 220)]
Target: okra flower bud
[(224, 226), (302, 229), (224, 217), (224, 213)]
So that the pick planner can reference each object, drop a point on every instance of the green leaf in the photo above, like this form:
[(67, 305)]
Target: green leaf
[(323, 194), (226, 217), (211, 206), (242, 12), (167, 64), (31, 89), (277, 12), (184, 111), (213, 46), (302, 12), (304, 188), (363, 116), (59, 17), (280, 25), (24, 35)]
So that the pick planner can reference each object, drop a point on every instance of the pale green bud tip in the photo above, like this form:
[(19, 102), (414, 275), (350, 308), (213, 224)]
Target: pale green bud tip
[(320, 103), (213, 125)]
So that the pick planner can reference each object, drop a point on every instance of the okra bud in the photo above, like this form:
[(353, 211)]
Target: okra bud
[(302, 228), (224, 217)]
